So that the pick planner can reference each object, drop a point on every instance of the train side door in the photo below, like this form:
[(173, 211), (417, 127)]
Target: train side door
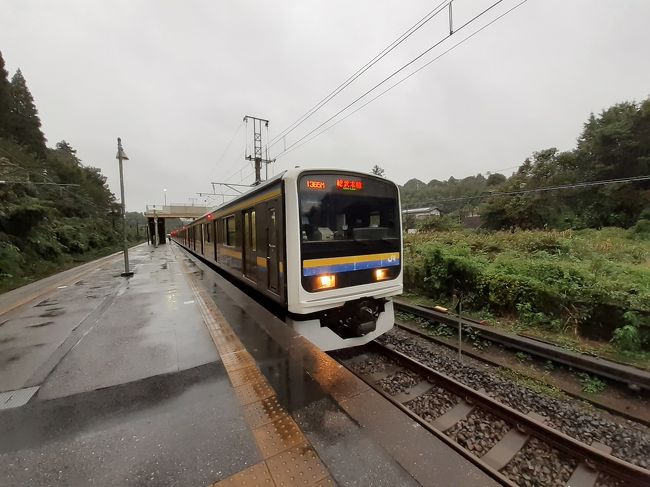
[(250, 244), (272, 257)]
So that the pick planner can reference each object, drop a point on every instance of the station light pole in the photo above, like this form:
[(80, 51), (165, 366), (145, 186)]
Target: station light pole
[(121, 156), (165, 193), (154, 237)]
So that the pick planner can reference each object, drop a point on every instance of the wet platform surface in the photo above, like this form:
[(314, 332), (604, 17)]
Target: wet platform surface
[(131, 390)]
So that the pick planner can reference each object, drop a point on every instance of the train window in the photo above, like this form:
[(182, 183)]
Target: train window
[(247, 229), (250, 230), (207, 232), (253, 232), (370, 213), (231, 231)]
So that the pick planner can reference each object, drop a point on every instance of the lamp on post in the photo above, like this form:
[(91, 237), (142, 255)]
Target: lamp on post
[(121, 156), (165, 193)]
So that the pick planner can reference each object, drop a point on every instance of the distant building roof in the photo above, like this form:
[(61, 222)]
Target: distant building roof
[(429, 209)]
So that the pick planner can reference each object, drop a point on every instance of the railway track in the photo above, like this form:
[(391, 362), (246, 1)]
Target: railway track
[(514, 448), (624, 374), (633, 414)]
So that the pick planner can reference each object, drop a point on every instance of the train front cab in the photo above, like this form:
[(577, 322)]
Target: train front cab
[(344, 247)]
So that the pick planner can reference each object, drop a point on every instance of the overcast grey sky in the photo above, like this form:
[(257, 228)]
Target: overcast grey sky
[(175, 78)]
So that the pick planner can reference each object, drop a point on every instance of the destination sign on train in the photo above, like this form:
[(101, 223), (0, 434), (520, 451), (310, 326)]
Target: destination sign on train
[(313, 184), (349, 185)]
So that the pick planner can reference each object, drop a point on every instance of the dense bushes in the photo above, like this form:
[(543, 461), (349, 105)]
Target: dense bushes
[(560, 280)]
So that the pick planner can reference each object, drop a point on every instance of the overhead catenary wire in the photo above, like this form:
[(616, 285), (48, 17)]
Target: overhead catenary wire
[(394, 73), (223, 154), (44, 176), (297, 146), (383, 53)]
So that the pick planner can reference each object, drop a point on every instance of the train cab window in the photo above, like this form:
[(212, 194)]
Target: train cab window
[(231, 231), (359, 209)]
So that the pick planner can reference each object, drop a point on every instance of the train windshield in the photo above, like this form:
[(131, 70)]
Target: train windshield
[(348, 208)]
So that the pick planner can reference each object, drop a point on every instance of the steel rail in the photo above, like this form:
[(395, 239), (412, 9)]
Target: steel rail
[(625, 374), (614, 466), (478, 356)]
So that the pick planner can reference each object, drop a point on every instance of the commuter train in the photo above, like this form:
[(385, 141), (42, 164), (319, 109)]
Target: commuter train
[(325, 245)]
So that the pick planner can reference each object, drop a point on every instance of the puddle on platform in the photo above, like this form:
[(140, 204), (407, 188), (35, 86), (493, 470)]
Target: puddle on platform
[(52, 312), (40, 325)]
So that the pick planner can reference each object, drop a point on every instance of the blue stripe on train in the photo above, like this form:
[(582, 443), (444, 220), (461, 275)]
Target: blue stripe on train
[(333, 269)]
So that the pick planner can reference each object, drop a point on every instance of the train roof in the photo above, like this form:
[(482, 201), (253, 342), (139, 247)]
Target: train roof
[(292, 173)]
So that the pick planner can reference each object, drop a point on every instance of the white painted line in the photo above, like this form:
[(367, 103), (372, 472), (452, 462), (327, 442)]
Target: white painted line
[(61, 287), (191, 301), (14, 399)]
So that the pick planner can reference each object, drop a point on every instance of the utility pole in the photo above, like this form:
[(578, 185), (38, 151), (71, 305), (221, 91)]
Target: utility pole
[(121, 156), (257, 154)]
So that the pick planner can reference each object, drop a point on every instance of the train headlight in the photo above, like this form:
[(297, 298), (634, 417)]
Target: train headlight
[(381, 274), (326, 281)]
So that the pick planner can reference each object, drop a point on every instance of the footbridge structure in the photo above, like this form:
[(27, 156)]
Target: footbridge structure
[(156, 215)]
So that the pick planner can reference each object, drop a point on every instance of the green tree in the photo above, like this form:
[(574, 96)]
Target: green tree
[(65, 167), (25, 125), (5, 99), (496, 179), (612, 145), (378, 171)]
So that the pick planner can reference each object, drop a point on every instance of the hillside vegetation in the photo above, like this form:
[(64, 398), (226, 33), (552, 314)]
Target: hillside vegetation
[(613, 145), (589, 283), (54, 210), (586, 273)]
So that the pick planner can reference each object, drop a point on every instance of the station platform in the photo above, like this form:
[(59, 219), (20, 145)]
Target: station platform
[(176, 377)]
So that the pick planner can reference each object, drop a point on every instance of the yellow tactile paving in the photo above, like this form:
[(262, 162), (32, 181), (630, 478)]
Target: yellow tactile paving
[(237, 360), (264, 412), (257, 475), (253, 392), (278, 436), (247, 375), (289, 459), (298, 466), (326, 482)]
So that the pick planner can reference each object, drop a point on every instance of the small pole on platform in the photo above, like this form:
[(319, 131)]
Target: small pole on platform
[(121, 155)]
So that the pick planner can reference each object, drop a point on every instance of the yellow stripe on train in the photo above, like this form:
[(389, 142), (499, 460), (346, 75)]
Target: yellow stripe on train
[(350, 259), (229, 252)]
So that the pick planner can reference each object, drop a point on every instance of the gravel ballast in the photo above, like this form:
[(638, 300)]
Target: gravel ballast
[(539, 464), (432, 404), (479, 432), (629, 441)]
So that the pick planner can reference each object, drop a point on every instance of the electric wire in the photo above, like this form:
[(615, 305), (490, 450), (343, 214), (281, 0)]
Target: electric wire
[(390, 47), (580, 184), (294, 146), (419, 56), (223, 154), (64, 188)]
